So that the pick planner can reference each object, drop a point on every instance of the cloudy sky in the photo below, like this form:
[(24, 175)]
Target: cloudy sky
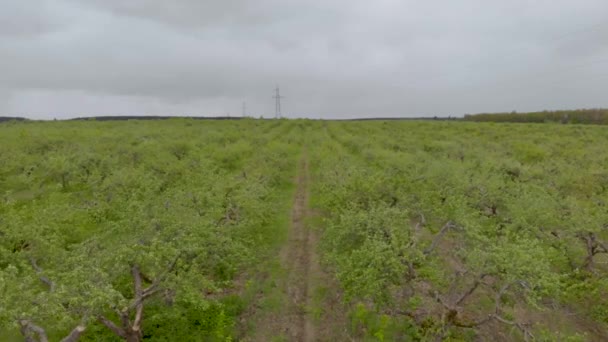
[(331, 58)]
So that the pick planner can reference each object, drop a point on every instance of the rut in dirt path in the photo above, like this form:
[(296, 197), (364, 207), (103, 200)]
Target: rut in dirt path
[(301, 302), (299, 259), (292, 289)]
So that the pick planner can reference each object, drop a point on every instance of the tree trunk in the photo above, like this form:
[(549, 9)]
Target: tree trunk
[(593, 247), (131, 331), (127, 332), (133, 336)]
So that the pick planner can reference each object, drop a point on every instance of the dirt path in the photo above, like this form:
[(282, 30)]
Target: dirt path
[(297, 256), (290, 320)]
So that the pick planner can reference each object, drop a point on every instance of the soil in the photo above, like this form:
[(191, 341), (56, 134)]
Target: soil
[(297, 256), (291, 321)]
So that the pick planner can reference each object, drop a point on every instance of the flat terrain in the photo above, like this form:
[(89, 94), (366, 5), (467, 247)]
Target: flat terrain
[(303, 231), (291, 320)]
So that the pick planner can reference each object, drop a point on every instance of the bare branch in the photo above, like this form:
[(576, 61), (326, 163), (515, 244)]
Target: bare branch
[(43, 279), (440, 300), (145, 277), (27, 334), (421, 222), (149, 292), (161, 278), (27, 328), (154, 288), (137, 304), (438, 237), (522, 327), (35, 265), (473, 324), (503, 320), (503, 290), (124, 318), (452, 312), (393, 312), (411, 270), (138, 297), (593, 246), (74, 334), (471, 289), (110, 325)]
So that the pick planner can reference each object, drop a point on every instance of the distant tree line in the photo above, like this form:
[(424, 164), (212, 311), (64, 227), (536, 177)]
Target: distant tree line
[(578, 116), (8, 118), (123, 118), (417, 118), (149, 117)]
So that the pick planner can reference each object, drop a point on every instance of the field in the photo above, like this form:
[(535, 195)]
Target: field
[(300, 230)]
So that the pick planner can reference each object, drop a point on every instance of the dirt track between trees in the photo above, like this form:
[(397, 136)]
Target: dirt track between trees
[(291, 320), (297, 256)]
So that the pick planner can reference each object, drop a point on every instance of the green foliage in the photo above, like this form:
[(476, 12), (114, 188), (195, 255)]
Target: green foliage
[(428, 227), (471, 220), (188, 322), (82, 203), (381, 327)]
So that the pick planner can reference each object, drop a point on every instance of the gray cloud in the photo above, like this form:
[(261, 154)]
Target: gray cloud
[(333, 58), (22, 20)]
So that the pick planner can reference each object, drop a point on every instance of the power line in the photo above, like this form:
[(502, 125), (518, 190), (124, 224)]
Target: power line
[(278, 98)]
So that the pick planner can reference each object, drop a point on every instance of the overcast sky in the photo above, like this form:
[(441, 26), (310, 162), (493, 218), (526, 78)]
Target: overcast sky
[(331, 58)]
